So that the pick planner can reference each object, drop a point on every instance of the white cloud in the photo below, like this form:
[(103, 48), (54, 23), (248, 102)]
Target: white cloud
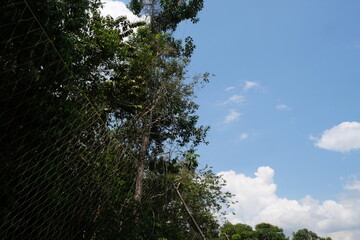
[(345, 235), (258, 202), (117, 9), (282, 107), (238, 99), (229, 88), (243, 136), (353, 185), (232, 116), (235, 99), (341, 138), (248, 85)]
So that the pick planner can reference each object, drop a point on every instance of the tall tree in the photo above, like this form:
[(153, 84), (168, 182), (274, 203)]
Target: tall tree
[(161, 81), (155, 116)]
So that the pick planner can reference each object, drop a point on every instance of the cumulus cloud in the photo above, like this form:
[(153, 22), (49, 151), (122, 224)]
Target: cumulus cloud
[(249, 85), (232, 116), (341, 138), (258, 202), (117, 9), (282, 107)]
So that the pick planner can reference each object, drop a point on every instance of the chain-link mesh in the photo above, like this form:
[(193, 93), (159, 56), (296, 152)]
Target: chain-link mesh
[(56, 176)]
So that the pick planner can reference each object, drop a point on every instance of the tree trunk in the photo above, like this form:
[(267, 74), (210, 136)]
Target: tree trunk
[(140, 170)]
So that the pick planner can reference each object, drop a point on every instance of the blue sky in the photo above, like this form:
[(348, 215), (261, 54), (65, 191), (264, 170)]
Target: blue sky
[(303, 54), (283, 106)]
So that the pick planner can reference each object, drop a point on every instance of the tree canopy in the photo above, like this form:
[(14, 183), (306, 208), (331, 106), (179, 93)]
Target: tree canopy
[(167, 14), (263, 231), (305, 234)]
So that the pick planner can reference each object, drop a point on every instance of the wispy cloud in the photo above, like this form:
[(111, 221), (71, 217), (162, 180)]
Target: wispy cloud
[(257, 201), (249, 85), (228, 89), (234, 99), (282, 107), (243, 136), (341, 138), (238, 99), (232, 116), (356, 46)]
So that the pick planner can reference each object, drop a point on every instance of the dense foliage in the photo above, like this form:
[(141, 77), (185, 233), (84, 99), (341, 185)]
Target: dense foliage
[(305, 234), (167, 14)]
